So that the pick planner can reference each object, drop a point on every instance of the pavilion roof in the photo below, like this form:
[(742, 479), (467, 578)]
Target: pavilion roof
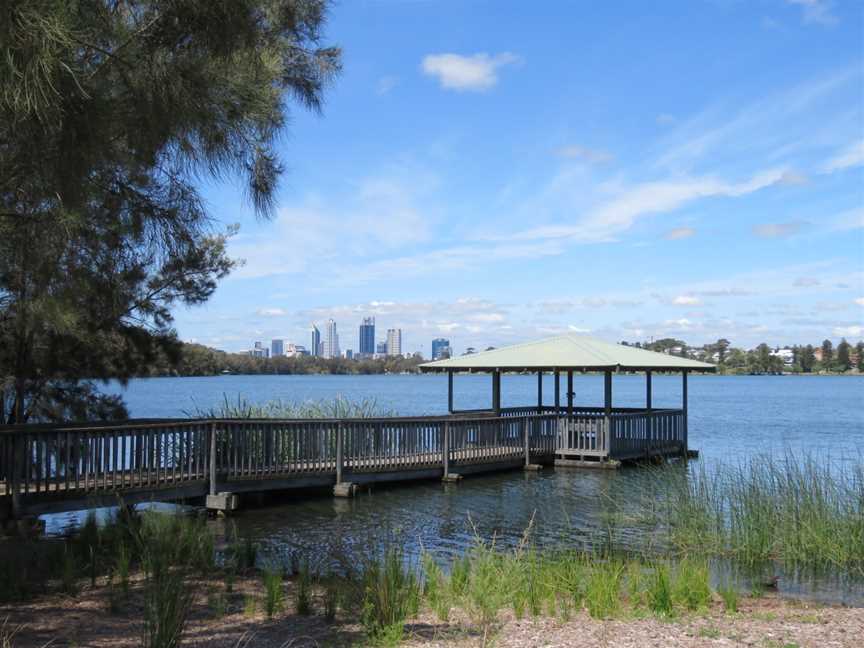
[(568, 352)]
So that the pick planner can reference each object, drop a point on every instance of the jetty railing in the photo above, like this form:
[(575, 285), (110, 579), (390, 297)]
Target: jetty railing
[(174, 459)]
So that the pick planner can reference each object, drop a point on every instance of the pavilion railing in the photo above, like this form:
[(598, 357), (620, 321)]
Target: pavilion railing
[(80, 460)]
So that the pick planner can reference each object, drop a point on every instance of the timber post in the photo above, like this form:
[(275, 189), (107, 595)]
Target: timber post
[(450, 392), (340, 441), (539, 392), (649, 422), (445, 448), (570, 393), (684, 409), (607, 411), (526, 433), (213, 459)]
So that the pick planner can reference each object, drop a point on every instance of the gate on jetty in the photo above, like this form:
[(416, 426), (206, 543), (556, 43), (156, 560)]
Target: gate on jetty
[(53, 468)]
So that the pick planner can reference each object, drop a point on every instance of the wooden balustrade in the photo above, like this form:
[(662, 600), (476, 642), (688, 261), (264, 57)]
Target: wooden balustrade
[(187, 458)]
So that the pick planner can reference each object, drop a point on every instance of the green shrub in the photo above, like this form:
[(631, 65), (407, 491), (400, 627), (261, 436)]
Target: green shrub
[(303, 591)]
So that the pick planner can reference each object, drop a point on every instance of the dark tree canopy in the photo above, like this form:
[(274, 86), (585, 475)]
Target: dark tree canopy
[(111, 111)]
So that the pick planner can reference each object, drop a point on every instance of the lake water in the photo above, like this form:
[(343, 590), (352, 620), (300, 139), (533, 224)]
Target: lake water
[(731, 418)]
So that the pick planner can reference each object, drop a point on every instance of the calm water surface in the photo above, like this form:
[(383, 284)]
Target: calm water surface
[(731, 418)]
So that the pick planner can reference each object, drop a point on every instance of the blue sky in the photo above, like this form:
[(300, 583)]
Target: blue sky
[(493, 172)]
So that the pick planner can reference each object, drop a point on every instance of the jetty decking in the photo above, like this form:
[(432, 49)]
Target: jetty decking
[(57, 468)]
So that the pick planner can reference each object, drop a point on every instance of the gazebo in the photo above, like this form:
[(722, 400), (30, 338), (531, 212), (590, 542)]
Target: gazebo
[(585, 435)]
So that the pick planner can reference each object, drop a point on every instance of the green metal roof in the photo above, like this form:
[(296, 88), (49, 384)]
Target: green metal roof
[(568, 352)]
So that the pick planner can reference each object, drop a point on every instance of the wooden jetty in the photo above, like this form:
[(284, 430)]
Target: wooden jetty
[(54, 468)]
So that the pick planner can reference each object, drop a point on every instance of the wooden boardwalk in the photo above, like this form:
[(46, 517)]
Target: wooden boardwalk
[(55, 468)]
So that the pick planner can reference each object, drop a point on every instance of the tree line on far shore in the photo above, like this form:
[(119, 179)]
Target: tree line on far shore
[(200, 360), (822, 358)]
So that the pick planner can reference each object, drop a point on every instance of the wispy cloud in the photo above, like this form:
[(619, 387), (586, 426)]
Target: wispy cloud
[(632, 203), (852, 156), (679, 233), (849, 220), (271, 312), (477, 73), (594, 156), (776, 230), (386, 84), (815, 11), (686, 300)]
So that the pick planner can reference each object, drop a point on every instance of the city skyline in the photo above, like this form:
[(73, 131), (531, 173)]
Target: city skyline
[(499, 193)]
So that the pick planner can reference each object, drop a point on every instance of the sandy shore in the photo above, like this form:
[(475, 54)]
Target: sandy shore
[(221, 619)]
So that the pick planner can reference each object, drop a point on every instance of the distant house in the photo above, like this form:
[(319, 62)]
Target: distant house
[(786, 355)]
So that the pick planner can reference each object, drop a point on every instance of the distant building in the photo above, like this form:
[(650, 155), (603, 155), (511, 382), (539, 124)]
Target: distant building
[(367, 336), (381, 348), (394, 342), (259, 351), (277, 348), (786, 355), (315, 347), (331, 343), (321, 349), (349, 354), (440, 349), (293, 350)]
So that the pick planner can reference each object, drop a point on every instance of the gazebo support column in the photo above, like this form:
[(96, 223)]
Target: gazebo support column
[(539, 392), (607, 409), (450, 392), (650, 420), (684, 408), (570, 393), (496, 392)]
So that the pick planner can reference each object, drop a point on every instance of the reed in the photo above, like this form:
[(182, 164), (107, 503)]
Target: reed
[(303, 590), (795, 509), (391, 594), (660, 592), (274, 595), (338, 407), (729, 595), (603, 590)]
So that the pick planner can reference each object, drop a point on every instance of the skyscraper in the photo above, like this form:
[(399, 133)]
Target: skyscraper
[(394, 342), (315, 347), (440, 349), (367, 336), (277, 348), (331, 344)]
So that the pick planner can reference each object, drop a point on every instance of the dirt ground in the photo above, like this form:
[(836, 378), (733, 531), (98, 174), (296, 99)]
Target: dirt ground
[(220, 619)]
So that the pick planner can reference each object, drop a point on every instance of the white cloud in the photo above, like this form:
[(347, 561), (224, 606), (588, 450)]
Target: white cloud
[(680, 233), (632, 203), (776, 230), (815, 11), (859, 301), (467, 73), (686, 300), (271, 312), (594, 156), (386, 84), (664, 119), (852, 156), (849, 331)]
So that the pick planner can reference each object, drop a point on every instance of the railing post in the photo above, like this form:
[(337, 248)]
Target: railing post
[(15, 473), (445, 448), (213, 459), (526, 433), (339, 449)]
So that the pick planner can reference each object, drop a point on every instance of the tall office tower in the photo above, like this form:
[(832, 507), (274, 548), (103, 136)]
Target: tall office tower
[(440, 349), (394, 342), (315, 347), (381, 348), (277, 348), (331, 344), (367, 336)]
